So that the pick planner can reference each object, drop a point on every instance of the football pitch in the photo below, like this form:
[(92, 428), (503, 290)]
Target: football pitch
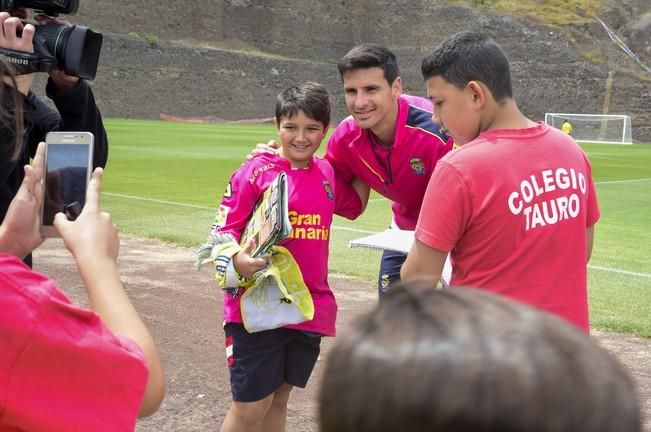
[(164, 180)]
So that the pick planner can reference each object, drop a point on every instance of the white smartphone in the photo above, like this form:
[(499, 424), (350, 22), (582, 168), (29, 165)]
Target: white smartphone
[(68, 166)]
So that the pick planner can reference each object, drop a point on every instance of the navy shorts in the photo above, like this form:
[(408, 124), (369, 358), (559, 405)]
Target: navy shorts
[(259, 363), (390, 266)]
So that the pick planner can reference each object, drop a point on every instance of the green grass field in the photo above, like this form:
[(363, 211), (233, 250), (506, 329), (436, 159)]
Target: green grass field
[(164, 179)]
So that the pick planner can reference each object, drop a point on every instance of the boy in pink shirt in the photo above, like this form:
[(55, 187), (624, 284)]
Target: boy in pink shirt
[(515, 203), (266, 365)]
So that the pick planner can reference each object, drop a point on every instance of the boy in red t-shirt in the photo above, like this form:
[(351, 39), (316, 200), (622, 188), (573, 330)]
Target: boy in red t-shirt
[(515, 204)]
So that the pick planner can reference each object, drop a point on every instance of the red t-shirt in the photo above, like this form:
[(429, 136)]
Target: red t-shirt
[(61, 369), (512, 207)]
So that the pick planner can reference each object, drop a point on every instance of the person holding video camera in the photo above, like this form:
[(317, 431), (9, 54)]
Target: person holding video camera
[(63, 367), (25, 118)]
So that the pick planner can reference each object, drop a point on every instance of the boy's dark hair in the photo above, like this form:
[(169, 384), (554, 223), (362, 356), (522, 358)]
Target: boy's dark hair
[(471, 56), (368, 55), (465, 360), (312, 98)]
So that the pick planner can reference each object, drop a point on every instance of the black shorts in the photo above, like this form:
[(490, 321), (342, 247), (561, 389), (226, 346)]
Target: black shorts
[(259, 363), (390, 266)]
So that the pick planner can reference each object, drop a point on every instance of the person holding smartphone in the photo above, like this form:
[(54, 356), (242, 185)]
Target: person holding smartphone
[(63, 367), (25, 119)]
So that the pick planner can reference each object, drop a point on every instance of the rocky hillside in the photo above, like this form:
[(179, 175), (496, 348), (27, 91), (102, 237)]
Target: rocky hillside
[(229, 58)]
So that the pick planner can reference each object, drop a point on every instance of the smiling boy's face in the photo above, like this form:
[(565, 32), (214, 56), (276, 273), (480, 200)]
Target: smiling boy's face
[(454, 109), (300, 137)]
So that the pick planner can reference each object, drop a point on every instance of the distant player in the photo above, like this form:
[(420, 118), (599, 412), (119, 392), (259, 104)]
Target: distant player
[(266, 365), (515, 204), (567, 127)]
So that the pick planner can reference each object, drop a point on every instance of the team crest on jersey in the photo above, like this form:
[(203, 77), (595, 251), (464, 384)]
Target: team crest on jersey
[(328, 190), (417, 165), (229, 190)]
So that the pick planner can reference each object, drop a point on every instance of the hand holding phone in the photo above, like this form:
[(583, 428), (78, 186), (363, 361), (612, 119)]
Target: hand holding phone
[(93, 237), (68, 166)]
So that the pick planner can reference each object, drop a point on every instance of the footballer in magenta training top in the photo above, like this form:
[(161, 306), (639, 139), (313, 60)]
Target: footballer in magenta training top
[(313, 197), (400, 172)]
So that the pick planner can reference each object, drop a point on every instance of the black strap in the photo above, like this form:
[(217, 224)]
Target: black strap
[(26, 63)]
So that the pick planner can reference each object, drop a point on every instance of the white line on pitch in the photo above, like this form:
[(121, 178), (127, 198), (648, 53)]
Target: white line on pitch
[(622, 181), (626, 272), (178, 204), (158, 201)]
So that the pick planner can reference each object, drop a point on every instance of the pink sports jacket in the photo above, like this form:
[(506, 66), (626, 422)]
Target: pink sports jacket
[(417, 147)]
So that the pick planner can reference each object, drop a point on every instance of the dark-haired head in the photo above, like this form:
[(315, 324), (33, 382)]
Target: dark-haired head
[(464, 360), (368, 55), (312, 98), (471, 56)]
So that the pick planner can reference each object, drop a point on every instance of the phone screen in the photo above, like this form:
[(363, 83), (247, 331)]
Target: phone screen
[(65, 181)]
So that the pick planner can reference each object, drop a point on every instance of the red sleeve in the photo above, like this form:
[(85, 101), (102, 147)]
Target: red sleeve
[(347, 201), (70, 372), (446, 209), (337, 158), (237, 203)]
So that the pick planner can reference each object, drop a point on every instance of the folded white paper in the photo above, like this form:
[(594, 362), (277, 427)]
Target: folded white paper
[(398, 241)]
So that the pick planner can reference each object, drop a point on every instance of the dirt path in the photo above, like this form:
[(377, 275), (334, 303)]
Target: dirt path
[(182, 309)]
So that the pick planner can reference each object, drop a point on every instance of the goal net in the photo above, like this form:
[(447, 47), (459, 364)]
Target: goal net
[(596, 128)]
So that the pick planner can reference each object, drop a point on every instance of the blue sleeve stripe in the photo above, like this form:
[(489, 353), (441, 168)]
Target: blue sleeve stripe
[(418, 118)]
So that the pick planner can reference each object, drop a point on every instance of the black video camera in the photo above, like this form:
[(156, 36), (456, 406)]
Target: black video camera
[(75, 49)]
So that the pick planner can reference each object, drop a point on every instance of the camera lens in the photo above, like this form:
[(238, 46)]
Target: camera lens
[(75, 48)]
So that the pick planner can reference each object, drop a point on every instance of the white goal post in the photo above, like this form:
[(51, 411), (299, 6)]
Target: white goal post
[(595, 128)]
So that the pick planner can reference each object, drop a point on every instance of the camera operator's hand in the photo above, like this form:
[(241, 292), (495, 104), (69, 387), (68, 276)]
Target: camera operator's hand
[(19, 233), (18, 37), (62, 82)]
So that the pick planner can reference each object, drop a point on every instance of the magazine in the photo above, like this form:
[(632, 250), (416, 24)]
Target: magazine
[(398, 241), (269, 221)]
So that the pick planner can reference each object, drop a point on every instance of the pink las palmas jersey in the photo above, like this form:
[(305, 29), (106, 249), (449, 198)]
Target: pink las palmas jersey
[(313, 197)]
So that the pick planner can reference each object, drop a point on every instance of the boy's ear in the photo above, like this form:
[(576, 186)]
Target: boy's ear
[(478, 94)]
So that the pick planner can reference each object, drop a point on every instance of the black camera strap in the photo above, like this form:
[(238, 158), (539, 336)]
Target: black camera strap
[(26, 63)]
